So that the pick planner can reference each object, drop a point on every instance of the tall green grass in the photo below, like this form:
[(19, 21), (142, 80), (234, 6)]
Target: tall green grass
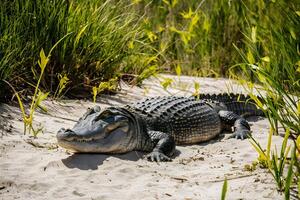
[(197, 35), (271, 59), (97, 46), (109, 38)]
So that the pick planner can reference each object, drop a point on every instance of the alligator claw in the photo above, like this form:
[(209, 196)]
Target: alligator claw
[(156, 156), (241, 134)]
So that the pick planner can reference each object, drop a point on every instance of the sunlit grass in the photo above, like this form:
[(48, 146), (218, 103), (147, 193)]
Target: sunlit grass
[(109, 38), (96, 47)]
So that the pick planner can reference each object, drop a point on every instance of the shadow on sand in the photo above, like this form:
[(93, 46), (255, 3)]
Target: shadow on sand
[(86, 161), (89, 161), (5, 119)]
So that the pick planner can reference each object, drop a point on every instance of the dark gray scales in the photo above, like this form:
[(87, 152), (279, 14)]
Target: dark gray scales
[(187, 120)]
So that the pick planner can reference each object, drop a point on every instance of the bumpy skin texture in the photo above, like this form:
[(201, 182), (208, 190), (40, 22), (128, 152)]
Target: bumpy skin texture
[(187, 120), (157, 124)]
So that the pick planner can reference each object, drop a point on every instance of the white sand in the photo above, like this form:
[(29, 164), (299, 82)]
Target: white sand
[(45, 171)]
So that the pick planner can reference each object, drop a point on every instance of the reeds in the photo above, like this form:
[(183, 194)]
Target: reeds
[(109, 38), (271, 60)]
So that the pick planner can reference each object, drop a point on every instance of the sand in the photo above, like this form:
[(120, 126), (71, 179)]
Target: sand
[(39, 169)]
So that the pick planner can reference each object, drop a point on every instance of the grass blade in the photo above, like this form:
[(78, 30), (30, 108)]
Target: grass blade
[(224, 189)]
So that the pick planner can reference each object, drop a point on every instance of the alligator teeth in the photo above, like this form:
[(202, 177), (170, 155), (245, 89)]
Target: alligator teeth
[(84, 140)]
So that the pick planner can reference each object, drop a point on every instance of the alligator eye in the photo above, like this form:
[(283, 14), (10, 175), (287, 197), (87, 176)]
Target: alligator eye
[(110, 119)]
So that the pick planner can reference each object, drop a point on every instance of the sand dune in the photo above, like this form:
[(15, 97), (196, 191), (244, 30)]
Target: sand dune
[(39, 169)]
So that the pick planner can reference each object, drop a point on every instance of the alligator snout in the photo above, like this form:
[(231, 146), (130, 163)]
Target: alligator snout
[(65, 134), (72, 136)]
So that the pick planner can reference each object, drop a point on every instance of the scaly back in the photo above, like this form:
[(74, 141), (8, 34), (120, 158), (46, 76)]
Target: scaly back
[(237, 103), (188, 120)]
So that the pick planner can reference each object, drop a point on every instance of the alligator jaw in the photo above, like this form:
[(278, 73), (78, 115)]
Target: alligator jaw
[(111, 140), (68, 135)]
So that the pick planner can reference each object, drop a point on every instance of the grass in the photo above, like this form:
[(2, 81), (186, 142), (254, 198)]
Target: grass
[(270, 67), (37, 98), (96, 47), (284, 166), (106, 39), (271, 59), (224, 190)]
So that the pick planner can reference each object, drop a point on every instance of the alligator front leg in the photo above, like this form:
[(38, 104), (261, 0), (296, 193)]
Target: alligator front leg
[(164, 146), (240, 124)]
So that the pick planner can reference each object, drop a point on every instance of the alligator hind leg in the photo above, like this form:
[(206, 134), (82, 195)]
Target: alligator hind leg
[(240, 124)]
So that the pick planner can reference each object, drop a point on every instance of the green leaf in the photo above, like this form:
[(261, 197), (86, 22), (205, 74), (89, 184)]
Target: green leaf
[(78, 36), (43, 60), (193, 22), (151, 59), (269, 146), (41, 97), (298, 13), (266, 59), (197, 90), (261, 154), (250, 57), (257, 101), (151, 36), (206, 24), (131, 44), (224, 189), (284, 143), (298, 140), (166, 83), (63, 81), (42, 55), (178, 70), (95, 92), (136, 1), (288, 179), (293, 34), (253, 34), (174, 29), (197, 86), (187, 15), (174, 2), (166, 2), (149, 71)]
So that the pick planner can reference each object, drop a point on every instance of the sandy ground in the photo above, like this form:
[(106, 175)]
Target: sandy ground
[(39, 169)]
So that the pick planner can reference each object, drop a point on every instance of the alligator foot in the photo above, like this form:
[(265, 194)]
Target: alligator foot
[(158, 157), (241, 134)]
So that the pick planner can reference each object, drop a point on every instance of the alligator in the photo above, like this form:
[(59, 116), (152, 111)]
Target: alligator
[(158, 124)]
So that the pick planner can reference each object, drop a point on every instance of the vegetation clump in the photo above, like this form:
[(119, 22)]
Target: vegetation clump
[(109, 39)]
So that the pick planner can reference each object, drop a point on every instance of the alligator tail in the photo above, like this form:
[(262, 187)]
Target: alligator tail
[(238, 103)]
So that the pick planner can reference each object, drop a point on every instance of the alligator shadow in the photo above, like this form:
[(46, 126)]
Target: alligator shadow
[(89, 161), (217, 139)]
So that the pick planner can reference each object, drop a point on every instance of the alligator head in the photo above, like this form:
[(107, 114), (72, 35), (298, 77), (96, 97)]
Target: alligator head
[(109, 131)]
